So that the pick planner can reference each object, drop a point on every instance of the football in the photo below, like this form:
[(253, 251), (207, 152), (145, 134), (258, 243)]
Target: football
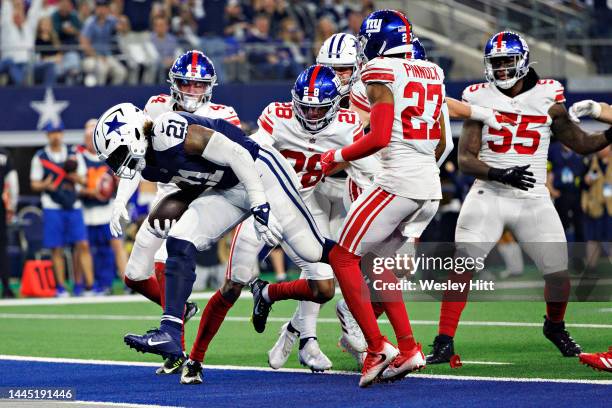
[(106, 186), (171, 207)]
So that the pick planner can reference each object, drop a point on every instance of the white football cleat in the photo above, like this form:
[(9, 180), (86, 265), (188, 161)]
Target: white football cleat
[(376, 362), (312, 357), (280, 352), (404, 365), (352, 339), (359, 356)]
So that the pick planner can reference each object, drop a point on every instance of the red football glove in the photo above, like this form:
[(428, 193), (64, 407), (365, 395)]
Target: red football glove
[(328, 163)]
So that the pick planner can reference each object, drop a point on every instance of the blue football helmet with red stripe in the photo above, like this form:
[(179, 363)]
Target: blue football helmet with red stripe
[(418, 51), (192, 77), (385, 32), (316, 97), (506, 59)]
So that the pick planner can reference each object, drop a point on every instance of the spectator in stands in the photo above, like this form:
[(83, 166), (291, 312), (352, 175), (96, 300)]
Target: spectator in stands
[(18, 34), (8, 206), (597, 205), (48, 55), (276, 10), (139, 13), (566, 170), (236, 24), (354, 20), (325, 29), (137, 53), (290, 51), (108, 253), (305, 14), (58, 172), (84, 10), (337, 11), (210, 28), (98, 40), (166, 45), (185, 27), (67, 25), (261, 50)]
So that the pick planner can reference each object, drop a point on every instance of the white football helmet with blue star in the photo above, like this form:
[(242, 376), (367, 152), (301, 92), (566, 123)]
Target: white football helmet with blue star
[(120, 141)]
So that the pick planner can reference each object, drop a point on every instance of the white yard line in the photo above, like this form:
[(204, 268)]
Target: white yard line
[(295, 370), (62, 316)]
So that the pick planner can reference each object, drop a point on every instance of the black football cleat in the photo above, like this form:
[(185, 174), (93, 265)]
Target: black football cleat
[(191, 309), (172, 365), (556, 333), (443, 348), (261, 308), (155, 341), (192, 373)]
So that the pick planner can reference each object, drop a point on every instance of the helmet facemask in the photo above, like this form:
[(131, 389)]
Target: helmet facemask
[(346, 82), (506, 69), (127, 161), (315, 116), (183, 91)]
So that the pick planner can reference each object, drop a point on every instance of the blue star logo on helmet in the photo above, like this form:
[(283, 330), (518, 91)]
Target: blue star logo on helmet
[(114, 125)]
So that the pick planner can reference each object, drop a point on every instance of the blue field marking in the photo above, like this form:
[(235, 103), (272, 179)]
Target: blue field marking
[(247, 388)]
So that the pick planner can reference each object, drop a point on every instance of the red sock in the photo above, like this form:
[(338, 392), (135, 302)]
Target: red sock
[(160, 274), (212, 317), (297, 289), (149, 288), (393, 306), (453, 303), (356, 294), (378, 309), (556, 294)]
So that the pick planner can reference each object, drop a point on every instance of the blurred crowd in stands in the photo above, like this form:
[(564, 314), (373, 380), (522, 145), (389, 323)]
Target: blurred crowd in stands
[(135, 41)]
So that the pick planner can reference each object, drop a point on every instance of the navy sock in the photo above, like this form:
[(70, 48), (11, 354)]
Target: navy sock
[(327, 247), (180, 275)]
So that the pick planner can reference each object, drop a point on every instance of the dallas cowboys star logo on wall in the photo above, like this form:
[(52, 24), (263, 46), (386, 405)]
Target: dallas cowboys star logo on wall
[(49, 110)]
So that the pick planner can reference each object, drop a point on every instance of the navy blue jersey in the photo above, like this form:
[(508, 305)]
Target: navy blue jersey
[(167, 161)]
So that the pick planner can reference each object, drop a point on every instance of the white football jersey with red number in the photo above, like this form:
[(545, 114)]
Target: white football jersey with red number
[(279, 128), (159, 104), (408, 162), (526, 142), (359, 96)]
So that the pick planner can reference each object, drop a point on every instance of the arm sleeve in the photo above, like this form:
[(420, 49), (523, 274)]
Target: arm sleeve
[(381, 124), (225, 152), (448, 135), (12, 183), (126, 188), (34, 14)]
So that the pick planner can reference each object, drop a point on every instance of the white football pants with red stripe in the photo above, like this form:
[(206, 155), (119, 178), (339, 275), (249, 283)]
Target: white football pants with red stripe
[(376, 216)]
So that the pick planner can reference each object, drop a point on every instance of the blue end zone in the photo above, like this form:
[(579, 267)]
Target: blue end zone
[(238, 388)]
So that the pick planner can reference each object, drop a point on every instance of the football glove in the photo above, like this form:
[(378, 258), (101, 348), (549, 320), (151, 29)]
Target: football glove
[(159, 230), (328, 162), (119, 215), (489, 117), (267, 227), (517, 176), (584, 108)]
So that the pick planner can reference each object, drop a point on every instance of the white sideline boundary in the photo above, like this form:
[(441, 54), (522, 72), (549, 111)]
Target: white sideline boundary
[(327, 320), (297, 370)]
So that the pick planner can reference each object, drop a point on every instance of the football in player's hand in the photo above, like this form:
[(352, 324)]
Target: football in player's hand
[(171, 207), (106, 186)]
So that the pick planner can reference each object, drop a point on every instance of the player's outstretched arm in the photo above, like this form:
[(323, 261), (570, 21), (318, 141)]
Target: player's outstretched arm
[(462, 110), (568, 133), (600, 111)]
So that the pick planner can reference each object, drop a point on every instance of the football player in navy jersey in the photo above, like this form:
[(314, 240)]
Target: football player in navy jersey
[(236, 177)]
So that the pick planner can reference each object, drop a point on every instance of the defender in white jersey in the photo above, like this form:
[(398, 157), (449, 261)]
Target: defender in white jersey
[(406, 127), (510, 192), (192, 79)]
